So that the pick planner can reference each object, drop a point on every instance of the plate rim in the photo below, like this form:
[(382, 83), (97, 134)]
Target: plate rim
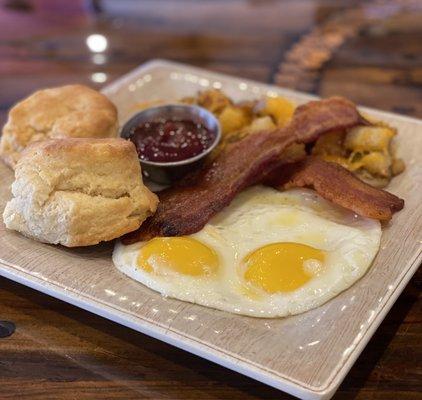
[(161, 62), (197, 347)]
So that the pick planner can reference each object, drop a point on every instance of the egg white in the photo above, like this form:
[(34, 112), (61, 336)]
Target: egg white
[(257, 217)]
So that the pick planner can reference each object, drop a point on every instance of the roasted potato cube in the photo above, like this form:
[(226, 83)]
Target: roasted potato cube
[(369, 138), (279, 108), (260, 124), (330, 144), (213, 100), (233, 119), (376, 163), (397, 166), (336, 159), (248, 106)]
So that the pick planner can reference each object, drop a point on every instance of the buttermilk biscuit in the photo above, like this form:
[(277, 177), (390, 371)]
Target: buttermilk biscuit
[(78, 192), (67, 111)]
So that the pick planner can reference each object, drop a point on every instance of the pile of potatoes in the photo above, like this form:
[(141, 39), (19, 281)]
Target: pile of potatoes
[(367, 151)]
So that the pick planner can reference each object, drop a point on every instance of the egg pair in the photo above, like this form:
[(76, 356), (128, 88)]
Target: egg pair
[(268, 254)]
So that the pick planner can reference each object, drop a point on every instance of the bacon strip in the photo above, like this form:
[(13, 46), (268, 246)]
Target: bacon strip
[(187, 207), (337, 184)]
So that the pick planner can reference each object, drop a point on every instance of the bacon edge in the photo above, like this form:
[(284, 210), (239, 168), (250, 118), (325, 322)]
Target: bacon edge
[(187, 207), (337, 184)]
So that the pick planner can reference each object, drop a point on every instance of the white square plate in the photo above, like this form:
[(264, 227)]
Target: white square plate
[(307, 355)]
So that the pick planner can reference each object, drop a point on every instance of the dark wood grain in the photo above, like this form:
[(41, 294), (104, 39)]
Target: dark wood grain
[(59, 351)]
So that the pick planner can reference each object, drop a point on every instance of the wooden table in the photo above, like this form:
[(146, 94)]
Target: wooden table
[(369, 51)]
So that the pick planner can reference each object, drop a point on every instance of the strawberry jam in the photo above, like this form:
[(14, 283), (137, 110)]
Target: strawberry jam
[(165, 140)]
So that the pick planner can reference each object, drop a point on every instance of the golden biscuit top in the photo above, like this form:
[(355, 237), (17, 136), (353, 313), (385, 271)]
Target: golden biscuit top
[(67, 111), (71, 110), (95, 166)]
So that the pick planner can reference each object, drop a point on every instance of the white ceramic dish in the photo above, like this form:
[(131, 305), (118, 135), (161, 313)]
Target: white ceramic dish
[(306, 355)]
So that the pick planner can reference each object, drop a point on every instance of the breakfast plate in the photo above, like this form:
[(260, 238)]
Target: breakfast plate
[(307, 355)]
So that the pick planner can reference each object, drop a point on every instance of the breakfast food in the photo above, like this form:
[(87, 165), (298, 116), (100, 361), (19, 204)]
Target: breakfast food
[(164, 139), (218, 237), (188, 206), (78, 192), (338, 185), (240, 119), (366, 150), (67, 111), (268, 254)]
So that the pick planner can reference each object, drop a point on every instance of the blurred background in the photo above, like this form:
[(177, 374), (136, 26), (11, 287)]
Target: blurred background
[(370, 51)]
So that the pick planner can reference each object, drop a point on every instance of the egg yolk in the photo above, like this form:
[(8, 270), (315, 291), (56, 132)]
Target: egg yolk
[(281, 267), (179, 254)]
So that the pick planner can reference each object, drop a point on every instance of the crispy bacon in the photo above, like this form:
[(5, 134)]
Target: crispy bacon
[(337, 184), (187, 207)]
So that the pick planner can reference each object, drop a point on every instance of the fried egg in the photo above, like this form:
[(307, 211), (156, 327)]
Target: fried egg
[(268, 254)]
